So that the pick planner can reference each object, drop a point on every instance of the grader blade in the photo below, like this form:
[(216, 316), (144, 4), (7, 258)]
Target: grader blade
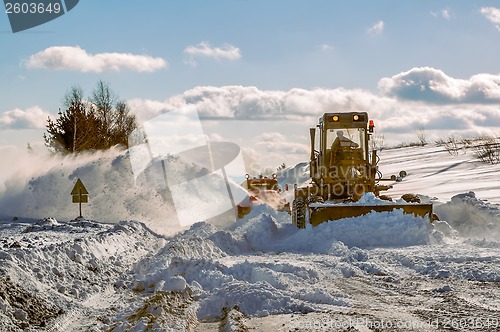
[(324, 212)]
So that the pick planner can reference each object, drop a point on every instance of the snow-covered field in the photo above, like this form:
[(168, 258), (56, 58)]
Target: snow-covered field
[(381, 272)]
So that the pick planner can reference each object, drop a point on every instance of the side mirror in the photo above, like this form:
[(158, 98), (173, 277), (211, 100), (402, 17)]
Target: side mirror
[(402, 174)]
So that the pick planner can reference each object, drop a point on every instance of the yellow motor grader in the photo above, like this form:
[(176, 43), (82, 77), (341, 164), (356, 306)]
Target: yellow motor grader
[(342, 171)]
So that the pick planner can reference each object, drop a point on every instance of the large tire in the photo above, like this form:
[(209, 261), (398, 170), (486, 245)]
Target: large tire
[(299, 213)]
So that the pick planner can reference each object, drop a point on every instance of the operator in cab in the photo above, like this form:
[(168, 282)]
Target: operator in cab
[(343, 149), (342, 141)]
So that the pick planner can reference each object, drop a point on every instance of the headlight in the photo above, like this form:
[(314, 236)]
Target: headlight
[(358, 117)]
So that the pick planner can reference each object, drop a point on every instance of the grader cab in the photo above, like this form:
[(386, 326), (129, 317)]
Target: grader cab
[(342, 170)]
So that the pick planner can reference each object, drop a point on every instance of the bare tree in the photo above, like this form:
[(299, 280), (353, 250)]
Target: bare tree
[(421, 135), (103, 100), (122, 125), (453, 145), (487, 149)]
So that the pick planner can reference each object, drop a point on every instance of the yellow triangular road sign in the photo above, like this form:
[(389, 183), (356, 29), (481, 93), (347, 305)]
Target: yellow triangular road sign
[(79, 188)]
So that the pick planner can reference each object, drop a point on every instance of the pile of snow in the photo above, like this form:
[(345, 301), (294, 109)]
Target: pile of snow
[(473, 261), (471, 216), (261, 266), (380, 229), (376, 229), (257, 288), (53, 272), (206, 258)]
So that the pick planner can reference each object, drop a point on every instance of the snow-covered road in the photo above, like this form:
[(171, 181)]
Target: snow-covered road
[(362, 274), (381, 272)]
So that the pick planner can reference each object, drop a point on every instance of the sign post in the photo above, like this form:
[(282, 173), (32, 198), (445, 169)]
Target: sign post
[(80, 194)]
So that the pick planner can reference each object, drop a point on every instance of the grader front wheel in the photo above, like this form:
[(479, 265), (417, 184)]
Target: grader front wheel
[(299, 213)]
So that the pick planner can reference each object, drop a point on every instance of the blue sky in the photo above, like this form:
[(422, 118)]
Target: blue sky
[(427, 59)]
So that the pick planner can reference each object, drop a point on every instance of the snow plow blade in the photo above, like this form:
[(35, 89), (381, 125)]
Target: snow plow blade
[(323, 213)]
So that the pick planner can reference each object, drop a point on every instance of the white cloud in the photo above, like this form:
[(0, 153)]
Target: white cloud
[(445, 14), (76, 58), (377, 28), (406, 101), (214, 137), (191, 62), (146, 108), (326, 47), (493, 15), (31, 118), (434, 86), (250, 103), (274, 141), (204, 49)]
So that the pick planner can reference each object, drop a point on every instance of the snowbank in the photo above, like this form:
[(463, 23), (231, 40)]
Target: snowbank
[(470, 216), (53, 272), (375, 229), (251, 266)]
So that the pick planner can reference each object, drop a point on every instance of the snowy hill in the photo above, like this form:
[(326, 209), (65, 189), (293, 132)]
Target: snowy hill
[(433, 171), (384, 271)]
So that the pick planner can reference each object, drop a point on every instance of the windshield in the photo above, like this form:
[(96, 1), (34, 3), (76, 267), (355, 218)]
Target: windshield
[(354, 135)]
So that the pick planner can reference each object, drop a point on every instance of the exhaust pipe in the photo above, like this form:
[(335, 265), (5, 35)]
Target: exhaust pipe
[(374, 158), (312, 165)]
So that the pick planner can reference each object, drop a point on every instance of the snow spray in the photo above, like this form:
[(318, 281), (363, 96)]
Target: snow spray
[(171, 153)]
